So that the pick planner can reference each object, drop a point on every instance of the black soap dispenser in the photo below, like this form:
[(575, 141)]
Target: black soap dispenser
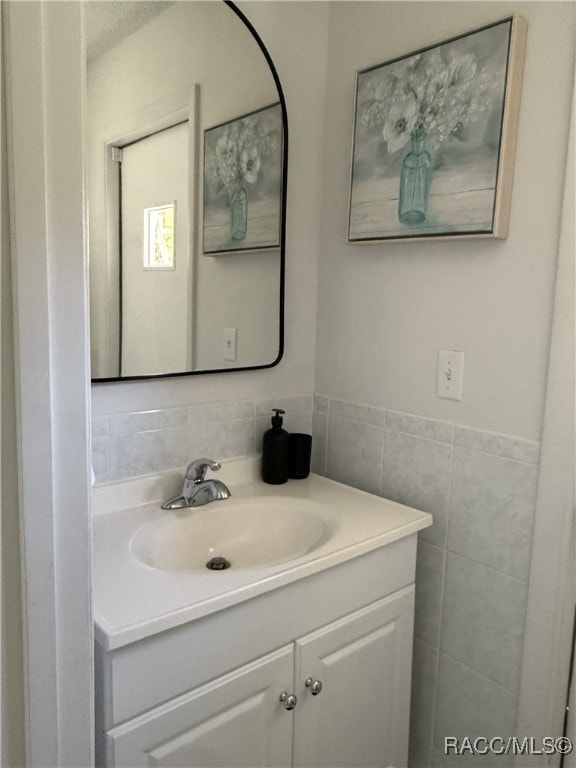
[(275, 451)]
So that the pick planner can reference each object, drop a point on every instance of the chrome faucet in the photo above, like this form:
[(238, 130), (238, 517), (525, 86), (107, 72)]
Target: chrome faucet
[(196, 490)]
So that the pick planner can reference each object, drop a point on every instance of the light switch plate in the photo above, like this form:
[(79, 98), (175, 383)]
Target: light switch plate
[(230, 337), (450, 374)]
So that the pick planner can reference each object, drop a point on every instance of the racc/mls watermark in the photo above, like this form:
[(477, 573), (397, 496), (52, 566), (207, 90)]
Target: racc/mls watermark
[(510, 745)]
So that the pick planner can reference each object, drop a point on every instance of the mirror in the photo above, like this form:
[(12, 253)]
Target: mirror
[(186, 180)]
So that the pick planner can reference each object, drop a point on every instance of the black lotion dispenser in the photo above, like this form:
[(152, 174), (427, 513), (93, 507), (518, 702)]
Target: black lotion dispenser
[(275, 451)]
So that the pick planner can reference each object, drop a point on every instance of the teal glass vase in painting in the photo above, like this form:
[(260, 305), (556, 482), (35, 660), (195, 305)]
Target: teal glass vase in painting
[(239, 213), (415, 178)]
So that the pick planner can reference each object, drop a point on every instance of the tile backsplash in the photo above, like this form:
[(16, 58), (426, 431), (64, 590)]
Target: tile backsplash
[(127, 445), (473, 563)]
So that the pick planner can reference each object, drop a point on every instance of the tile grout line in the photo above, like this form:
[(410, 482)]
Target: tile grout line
[(489, 567), (477, 672)]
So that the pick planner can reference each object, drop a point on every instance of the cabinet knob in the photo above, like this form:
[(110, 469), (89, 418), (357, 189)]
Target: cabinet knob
[(315, 686), (288, 699)]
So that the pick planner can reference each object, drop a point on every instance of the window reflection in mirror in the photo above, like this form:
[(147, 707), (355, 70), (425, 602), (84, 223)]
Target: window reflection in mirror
[(161, 76), (159, 245)]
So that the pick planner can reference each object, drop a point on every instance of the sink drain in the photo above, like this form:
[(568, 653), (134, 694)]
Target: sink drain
[(218, 564)]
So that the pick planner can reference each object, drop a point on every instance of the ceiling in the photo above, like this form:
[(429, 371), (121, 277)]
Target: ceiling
[(110, 21)]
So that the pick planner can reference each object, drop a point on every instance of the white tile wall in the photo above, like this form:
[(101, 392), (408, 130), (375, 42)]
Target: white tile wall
[(417, 472), (473, 563), (354, 453), (492, 510), (126, 445), (470, 705), (430, 567), (483, 619), (424, 673)]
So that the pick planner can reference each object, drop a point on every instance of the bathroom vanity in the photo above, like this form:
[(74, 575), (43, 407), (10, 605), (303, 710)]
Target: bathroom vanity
[(299, 654)]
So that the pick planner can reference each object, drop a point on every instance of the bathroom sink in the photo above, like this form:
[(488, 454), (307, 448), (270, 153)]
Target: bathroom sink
[(230, 533), (150, 570)]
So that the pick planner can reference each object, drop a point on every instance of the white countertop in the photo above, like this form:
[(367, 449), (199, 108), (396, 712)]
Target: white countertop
[(133, 600)]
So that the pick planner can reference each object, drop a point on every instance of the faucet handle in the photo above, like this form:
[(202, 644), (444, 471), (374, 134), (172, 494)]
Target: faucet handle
[(196, 470)]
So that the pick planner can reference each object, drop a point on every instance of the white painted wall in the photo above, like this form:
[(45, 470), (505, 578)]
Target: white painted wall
[(296, 37), (385, 310), (12, 750)]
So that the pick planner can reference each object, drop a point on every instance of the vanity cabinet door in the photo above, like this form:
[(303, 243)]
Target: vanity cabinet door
[(363, 664), (236, 720)]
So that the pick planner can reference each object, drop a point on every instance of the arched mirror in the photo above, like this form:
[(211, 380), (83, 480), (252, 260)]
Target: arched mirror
[(186, 181)]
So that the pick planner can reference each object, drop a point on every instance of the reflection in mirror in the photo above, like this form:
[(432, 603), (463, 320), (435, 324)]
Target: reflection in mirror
[(186, 174)]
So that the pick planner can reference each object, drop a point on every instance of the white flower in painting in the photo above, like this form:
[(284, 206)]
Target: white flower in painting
[(436, 95), (250, 164), (399, 124), (238, 153), (463, 69), (225, 149)]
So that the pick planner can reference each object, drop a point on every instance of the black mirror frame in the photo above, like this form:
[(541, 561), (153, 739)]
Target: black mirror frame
[(114, 379)]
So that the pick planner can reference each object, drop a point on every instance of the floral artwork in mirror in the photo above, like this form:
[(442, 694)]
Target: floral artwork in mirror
[(243, 183), (434, 139)]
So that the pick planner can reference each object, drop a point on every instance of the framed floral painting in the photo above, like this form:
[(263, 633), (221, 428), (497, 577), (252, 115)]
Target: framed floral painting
[(434, 139), (243, 183)]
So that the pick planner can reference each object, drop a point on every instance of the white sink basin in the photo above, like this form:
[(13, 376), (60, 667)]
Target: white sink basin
[(246, 534), (150, 570)]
